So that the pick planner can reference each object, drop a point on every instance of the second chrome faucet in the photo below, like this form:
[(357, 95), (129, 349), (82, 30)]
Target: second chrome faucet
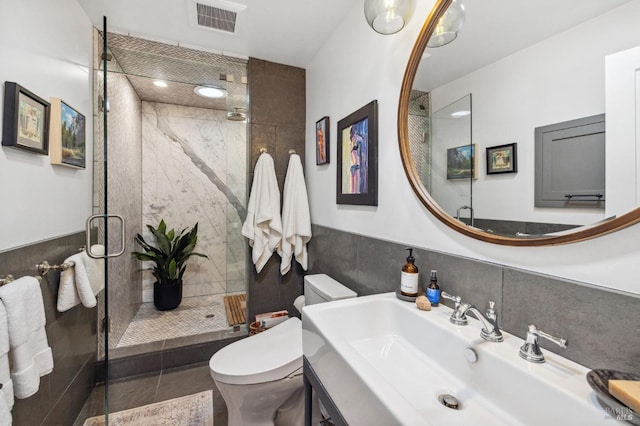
[(490, 330)]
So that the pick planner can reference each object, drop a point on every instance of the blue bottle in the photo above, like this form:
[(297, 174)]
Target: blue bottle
[(433, 291)]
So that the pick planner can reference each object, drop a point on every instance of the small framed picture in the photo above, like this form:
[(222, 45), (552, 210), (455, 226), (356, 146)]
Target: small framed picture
[(25, 121), (357, 181), (462, 162), (502, 159), (67, 136), (322, 141)]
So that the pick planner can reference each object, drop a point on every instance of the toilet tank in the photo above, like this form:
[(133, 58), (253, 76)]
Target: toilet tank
[(320, 288)]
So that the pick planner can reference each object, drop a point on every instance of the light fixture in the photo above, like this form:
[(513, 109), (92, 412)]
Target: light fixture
[(387, 16), (159, 83), (448, 26), (210, 92)]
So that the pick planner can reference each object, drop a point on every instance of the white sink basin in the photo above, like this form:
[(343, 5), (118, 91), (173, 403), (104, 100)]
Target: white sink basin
[(385, 362)]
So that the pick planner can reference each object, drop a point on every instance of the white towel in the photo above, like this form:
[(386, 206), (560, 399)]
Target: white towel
[(296, 221), (6, 393), (263, 226), (30, 353), (82, 282)]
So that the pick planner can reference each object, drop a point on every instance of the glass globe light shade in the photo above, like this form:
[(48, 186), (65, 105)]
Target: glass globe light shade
[(448, 26), (387, 16)]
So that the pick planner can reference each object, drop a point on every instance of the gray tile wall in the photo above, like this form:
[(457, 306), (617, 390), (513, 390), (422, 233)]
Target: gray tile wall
[(276, 122), (602, 326), (71, 335)]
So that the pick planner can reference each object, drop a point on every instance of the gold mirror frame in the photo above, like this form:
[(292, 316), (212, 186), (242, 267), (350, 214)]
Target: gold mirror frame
[(581, 234)]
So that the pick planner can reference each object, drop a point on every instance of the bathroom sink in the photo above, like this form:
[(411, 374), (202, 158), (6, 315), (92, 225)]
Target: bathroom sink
[(385, 362)]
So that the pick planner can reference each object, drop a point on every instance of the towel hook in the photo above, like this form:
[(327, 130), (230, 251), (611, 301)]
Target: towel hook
[(44, 267), (292, 151), (263, 150)]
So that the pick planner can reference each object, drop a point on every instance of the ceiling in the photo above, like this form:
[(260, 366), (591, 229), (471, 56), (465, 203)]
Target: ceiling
[(285, 31)]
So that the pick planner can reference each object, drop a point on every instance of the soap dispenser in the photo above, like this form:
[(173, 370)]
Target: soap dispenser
[(409, 277), (433, 290)]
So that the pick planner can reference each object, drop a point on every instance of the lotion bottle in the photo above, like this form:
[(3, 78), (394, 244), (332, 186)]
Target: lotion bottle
[(433, 290), (409, 277)]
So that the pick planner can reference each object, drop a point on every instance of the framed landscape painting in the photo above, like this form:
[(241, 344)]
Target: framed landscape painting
[(68, 133)]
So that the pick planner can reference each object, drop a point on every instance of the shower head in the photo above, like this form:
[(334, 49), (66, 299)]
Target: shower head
[(238, 114)]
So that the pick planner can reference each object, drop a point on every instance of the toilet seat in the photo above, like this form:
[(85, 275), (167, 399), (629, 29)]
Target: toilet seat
[(271, 355)]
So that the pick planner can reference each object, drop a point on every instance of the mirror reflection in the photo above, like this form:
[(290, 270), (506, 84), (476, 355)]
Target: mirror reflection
[(526, 68)]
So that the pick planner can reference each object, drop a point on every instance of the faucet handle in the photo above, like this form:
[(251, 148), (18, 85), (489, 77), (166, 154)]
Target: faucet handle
[(557, 340), (458, 316), (456, 299), (491, 312), (530, 350)]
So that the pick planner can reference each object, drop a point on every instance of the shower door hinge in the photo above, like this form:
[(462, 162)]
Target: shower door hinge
[(105, 325)]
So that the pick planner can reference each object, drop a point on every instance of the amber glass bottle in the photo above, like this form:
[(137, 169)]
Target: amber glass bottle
[(409, 277)]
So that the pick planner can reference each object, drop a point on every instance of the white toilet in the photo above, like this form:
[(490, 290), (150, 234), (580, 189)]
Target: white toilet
[(261, 376)]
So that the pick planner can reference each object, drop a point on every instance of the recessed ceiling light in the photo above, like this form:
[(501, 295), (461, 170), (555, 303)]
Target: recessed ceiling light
[(462, 113), (210, 92), (160, 83)]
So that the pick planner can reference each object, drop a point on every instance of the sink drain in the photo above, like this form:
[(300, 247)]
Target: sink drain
[(449, 401), (210, 315)]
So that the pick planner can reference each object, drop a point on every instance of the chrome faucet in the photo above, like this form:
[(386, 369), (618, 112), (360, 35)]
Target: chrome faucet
[(490, 330), (530, 350)]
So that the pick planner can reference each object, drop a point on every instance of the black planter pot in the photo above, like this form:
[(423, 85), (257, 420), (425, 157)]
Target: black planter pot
[(168, 296)]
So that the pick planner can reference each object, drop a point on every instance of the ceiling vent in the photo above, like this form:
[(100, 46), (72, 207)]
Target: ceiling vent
[(217, 15), (218, 19)]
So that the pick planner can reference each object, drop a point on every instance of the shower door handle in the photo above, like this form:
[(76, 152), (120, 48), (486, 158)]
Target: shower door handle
[(122, 235)]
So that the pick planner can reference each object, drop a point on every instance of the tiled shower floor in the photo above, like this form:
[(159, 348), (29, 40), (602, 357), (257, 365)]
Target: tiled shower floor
[(195, 315)]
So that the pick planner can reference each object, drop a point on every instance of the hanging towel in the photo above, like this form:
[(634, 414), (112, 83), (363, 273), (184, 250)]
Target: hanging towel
[(29, 353), (6, 393), (263, 226), (82, 282), (296, 221)]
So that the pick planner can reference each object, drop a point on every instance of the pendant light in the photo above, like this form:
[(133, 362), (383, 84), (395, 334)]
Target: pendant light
[(387, 16), (448, 26)]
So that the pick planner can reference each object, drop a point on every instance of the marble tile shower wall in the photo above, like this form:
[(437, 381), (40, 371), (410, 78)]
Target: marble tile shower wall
[(601, 326), (194, 171), (125, 197), (71, 336)]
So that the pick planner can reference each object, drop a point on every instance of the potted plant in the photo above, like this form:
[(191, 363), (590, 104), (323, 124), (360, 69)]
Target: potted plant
[(170, 254)]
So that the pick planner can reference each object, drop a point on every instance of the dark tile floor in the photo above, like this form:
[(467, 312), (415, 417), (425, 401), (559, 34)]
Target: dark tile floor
[(168, 384)]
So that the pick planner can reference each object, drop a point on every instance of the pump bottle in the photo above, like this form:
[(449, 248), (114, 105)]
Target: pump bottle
[(409, 277)]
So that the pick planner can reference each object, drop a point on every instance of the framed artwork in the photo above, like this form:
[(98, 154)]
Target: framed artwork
[(462, 162), (322, 141), (25, 121), (357, 181), (502, 159), (67, 135)]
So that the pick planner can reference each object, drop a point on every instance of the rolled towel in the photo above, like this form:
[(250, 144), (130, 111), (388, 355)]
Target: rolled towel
[(82, 282), (6, 393), (29, 353)]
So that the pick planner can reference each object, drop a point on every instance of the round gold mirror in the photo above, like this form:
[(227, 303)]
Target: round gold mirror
[(517, 127)]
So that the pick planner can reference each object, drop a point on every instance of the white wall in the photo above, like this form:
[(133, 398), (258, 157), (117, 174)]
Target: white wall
[(357, 65), (559, 79), (45, 46)]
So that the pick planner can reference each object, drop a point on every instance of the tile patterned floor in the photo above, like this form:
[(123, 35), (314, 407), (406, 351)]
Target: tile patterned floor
[(160, 386), (195, 315)]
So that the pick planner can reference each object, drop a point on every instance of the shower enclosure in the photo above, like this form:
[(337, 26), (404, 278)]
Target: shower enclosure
[(162, 152)]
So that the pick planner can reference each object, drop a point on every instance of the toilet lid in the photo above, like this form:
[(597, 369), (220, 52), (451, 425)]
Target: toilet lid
[(264, 357)]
